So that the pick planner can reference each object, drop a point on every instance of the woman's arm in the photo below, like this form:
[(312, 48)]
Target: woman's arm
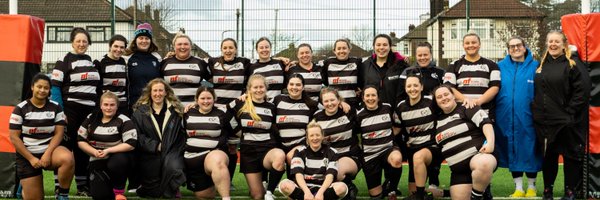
[(15, 138), (123, 147), (59, 131), (302, 183), (326, 183), (488, 131), (87, 148)]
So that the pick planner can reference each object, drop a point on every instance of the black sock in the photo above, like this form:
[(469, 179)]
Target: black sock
[(299, 194), (394, 175), (446, 193), (420, 191), (475, 194), (63, 191), (274, 178), (329, 194)]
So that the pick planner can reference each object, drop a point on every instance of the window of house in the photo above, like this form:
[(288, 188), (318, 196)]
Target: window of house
[(58, 33), (483, 27), (454, 31), (405, 49), (99, 33)]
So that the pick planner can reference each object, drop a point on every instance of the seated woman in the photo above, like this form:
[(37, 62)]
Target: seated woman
[(158, 118), (108, 138), (466, 137), (206, 162), (314, 166), (36, 129)]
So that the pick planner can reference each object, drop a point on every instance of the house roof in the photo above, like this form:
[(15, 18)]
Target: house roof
[(68, 10), (492, 9), (419, 32)]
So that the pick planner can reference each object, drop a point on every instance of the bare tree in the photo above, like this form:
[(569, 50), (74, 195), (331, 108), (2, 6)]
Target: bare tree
[(282, 41), (362, 36), (162, 12), (526, 29)]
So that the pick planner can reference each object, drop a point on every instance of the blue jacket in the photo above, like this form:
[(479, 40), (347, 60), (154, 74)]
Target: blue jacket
[(515, 135)]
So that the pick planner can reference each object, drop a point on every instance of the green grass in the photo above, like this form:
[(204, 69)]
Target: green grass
[(502, 183)]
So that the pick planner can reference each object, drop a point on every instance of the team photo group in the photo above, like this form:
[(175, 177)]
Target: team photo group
[(137, 121)]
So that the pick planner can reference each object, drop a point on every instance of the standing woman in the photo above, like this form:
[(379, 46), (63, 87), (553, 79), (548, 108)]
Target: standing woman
[(466, 137), (228, 76), (36, 130), (430, 75), (158, 118), (375, 121), (108, 137), (341, 134), (206, 162), (383, 71), (271, 69), (476, 80), (311, 72), (559, 109), (113, 71), (142, 62), (183, 72), (76, 85), (515, 134), (342, 72), (314, 168), (259, 140)]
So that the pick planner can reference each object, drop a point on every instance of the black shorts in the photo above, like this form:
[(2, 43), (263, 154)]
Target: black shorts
[(436, 161), (461, 174), (373, 168), (24, 168), (251, 158), (197, 179)]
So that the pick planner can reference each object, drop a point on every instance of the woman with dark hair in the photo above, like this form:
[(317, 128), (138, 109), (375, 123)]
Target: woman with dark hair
[(113, 72), (342, 72), (183, 72), (76, 86), (271, 69), (158, 117), (383, 70), (206, 162), (560, 114), (310, 71), (108, 138), (466, 137), (375, 120), (341, 134), (142, 62), (36, 129), (314, 167), (259, 138), (430, 75)]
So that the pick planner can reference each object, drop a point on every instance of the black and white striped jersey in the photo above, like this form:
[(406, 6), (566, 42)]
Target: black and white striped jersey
[(228, 78), (184, 76), (113, 75), (101, 135), (78, 79), (205, 132), (340, 131), (313, 82), (344, 76), (418, 122), (256, 133), (292, 117), (460, 136), (36, 124), (314, 166), (376, 130), (273, 71), (473, 79)]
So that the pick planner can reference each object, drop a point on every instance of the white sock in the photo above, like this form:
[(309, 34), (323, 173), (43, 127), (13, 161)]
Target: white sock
[(530, 183), (518, 183)]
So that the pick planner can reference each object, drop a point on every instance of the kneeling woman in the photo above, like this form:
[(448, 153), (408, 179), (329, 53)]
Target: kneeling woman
[(158, 118), (314, 167), (466, 137), (205, 159), (258, 152), (375, 121), (108, 138), (36, 129)]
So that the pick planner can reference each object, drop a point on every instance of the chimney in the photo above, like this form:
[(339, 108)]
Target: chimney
[(435, 7), (147, 9), (392, 34), (156, 15), (411, 27)]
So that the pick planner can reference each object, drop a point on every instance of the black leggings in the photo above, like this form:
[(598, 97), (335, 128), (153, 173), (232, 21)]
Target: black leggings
[(530, 175), (76, 113), (573, 171), (117, 167)]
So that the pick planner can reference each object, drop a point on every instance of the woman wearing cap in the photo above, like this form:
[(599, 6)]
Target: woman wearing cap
[(75, 80), (142, 61)]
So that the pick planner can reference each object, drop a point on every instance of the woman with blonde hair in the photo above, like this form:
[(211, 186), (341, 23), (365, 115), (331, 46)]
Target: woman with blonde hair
[(259, 140), (559, 108), (158, 118)]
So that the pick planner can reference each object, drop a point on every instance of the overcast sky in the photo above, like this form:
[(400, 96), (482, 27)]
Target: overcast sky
[(317, 22)]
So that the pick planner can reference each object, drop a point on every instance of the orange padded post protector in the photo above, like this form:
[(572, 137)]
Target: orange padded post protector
[(5, 144), (582, 31), (22, 38)]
